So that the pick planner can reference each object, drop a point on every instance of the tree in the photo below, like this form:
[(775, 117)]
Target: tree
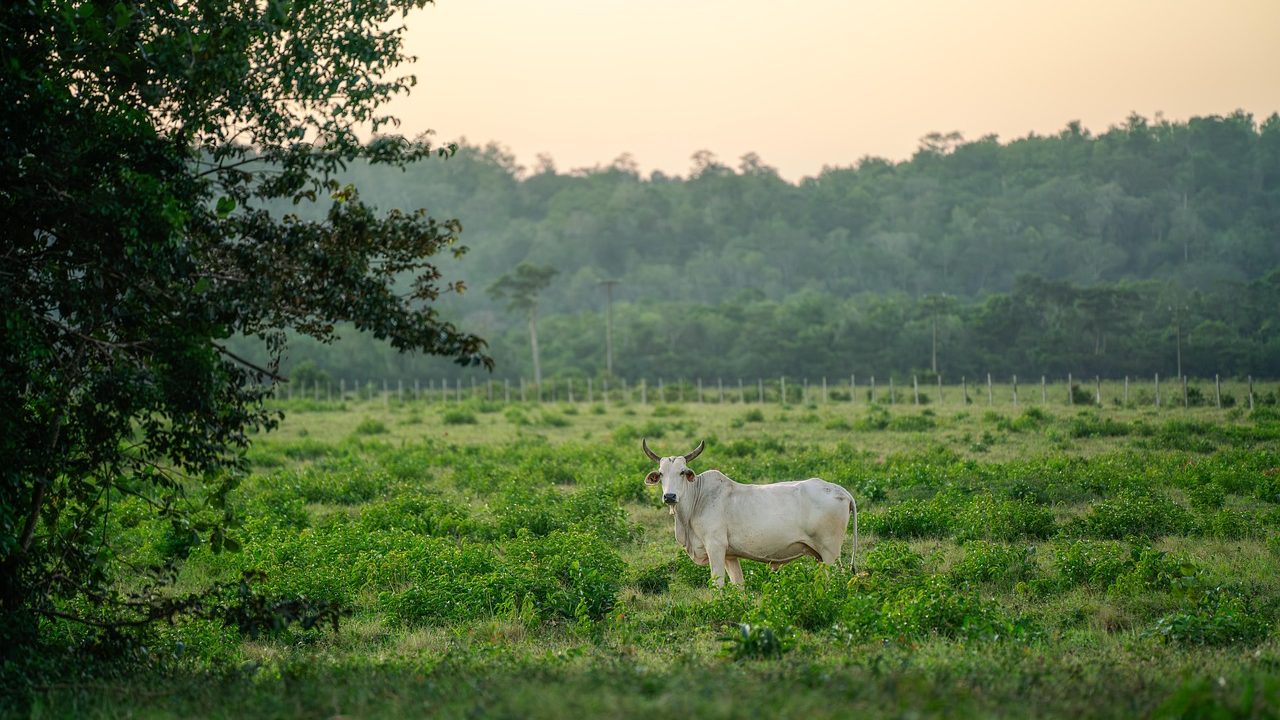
[(932, 306), (144, 144), (520, 288)]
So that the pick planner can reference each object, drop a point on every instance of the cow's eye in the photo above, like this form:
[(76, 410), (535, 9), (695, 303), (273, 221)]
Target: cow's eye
[(688, 475)]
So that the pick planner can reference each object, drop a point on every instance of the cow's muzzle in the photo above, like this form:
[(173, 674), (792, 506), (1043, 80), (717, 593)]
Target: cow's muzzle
[(669, 498)]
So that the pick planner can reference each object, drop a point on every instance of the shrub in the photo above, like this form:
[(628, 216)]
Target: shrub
[(458, 416), (1007, 520), (911, 423), (758, 642), (1228, 525), (892, 557), (1090, 562), (656, 579), (371, 426), (990, 562), (1218, 617), (668, 411), (1142, 513), (346, 483), (754, 415), (1090, 425), (912, 519)]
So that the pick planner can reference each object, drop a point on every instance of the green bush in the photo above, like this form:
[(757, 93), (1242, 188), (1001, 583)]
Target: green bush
[(986, 562), (912, 519), (371, 426), (1218, 617), (1090, 425), (1132, 512), (458, 416), (911, 423), (1007, 520), (756, 642), (892, 557), (656, 579), (1097, 563)]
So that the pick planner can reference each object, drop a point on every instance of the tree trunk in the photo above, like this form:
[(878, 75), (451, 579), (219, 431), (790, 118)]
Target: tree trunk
[(533, 344)]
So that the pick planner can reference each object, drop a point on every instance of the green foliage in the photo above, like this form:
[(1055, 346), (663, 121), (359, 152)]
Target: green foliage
[(913, 518), (1216, 617), (756, 642), (991, 562), (892, 557), (1134, 512), (150, 147), (458, 416), (1097, 563), (371, 426)]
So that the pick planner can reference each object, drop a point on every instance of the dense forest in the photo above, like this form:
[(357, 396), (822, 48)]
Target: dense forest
[(1098, 254)]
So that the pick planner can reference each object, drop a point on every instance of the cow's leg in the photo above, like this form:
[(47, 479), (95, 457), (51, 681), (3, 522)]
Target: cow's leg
[(717, 557), (735, 570)]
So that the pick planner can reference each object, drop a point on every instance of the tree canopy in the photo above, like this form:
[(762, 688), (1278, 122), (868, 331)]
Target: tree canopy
[(1113, 224), (145, 147)]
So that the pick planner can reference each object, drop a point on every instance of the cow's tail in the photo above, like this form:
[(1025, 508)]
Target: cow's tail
[(853, 553)]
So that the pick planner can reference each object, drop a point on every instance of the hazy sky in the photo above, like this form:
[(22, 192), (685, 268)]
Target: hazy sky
[(810, 83)]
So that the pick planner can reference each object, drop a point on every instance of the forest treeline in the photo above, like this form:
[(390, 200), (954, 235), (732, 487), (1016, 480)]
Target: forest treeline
[(1071, 252)]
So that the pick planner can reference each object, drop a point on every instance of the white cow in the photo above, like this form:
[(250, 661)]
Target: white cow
[(719, 521)]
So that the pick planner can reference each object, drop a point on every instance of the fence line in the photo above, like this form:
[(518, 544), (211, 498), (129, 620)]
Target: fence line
[(1129, 392)]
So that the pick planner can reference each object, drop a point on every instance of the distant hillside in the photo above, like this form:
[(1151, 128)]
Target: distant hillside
[(1193, 205)]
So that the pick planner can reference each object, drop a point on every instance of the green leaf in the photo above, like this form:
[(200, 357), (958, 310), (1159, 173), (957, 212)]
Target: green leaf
[(226, 205)]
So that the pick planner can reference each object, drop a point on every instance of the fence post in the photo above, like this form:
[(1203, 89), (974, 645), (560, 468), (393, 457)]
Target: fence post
[(915, 388), (964, 390), (1071, 399), (386, 397), (804, 392), (760, 390), (342, 389), (1097, 382), (1015, 391), (939, 388), (782, 394), (521, 388), (506, 391), (720, 385), (873, 389), (893, 397), (458, 386), (853, 389), (824, 389), (1157, 389), (1250, 392), (1126, 391), (1185, 399), (399, 390), (604, 390), (591, 397), (1217, 391), (625, 396), (742, 394), (569, 381), (1044, 392), (699, 390), (990, 395)]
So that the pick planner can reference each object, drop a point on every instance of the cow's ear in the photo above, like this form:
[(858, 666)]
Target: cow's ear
[(688, 475), (652, 478)]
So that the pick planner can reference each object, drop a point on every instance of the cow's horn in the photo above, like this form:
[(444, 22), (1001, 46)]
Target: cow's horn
[(644, 443), (696, 452)]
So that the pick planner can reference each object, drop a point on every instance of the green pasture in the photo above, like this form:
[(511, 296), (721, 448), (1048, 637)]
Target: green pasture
[(494, 560)]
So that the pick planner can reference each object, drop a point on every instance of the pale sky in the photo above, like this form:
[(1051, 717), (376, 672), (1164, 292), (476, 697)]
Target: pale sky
[(809, 83)]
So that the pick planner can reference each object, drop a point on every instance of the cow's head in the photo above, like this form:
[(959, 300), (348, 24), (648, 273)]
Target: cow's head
[(672, 472)]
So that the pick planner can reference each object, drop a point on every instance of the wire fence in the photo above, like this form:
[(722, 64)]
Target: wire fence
[(1154, 391)]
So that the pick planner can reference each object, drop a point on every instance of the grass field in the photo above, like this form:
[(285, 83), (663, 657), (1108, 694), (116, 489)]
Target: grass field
[(508, 561)]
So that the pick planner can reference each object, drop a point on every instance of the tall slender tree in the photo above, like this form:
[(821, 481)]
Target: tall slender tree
[(520, 289)]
